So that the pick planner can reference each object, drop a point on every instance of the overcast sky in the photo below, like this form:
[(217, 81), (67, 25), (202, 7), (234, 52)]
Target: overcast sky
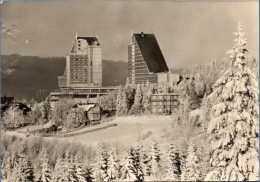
[(187, 32)]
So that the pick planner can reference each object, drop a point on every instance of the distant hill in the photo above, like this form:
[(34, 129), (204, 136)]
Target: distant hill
[(22, 76)]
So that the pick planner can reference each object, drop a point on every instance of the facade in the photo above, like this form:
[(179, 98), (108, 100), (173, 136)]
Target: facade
[(165, 78), (84, 95), (82, 78), (93, 112), (145, 59), (164, 103), (83, 64)]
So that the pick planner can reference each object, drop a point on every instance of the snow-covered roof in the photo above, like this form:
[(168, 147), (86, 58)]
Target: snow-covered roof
[(87, 107)]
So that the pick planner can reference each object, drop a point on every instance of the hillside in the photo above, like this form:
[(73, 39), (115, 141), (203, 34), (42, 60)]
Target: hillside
[(22, 76)]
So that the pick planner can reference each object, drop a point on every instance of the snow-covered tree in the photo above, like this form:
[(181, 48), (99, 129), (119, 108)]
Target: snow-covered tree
[(6, 168), (146, 101), (75, 118), (200, 86), (69, 170), (131, 168), (45, 175), (138, 166), (108, 102), (156, 161), (206, 115), (137, 106), (46, 110), (89, 174), (101, 166), (191, 170), (146, 163), (173, 165), (121, 103), (60, 111), (22, 170), (234, 128), (80, 170), (113, 165), (59, 168), (188, 100)]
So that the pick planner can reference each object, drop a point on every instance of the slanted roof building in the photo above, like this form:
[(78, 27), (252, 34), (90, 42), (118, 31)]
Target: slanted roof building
[(145, 59)]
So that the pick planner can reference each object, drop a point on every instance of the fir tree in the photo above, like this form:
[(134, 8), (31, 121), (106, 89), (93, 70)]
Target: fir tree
[(174, 163), (121, 103), (89, 174), (200, 86), (101, 166), (138, 166), (191, 170), (80, 170), (156, 161), (23, 170), (59, 168), (6, 167), (206, 115), (146, 164), (137, 106), (234, 128), (45, 175), (146, 101), (113, 166), (131, 168), (70, 170)]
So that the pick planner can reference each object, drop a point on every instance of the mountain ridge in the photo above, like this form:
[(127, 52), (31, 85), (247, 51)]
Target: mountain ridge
[(22, 76)]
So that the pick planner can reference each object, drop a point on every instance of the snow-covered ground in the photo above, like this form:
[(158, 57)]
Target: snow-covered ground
[(128, 130), (126, 133)]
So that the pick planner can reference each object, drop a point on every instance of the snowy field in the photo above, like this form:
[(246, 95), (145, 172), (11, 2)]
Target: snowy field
[(128, 130)]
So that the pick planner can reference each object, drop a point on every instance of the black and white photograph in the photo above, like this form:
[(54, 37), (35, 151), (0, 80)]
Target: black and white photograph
[(129, 90)]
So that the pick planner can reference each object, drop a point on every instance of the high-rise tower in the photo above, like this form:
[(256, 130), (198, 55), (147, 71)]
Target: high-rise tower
[(145, 59), (83, 64)]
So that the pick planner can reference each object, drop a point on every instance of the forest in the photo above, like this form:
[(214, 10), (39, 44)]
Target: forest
[(220, 144)]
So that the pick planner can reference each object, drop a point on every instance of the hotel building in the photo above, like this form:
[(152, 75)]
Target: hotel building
[(145, 59)]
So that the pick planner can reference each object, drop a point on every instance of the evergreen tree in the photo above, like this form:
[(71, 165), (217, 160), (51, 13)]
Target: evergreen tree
[(146, 101), (138, 166), (191, 170), (121, 103), (146, 164), (59, 168), (206, 115), (61, 110), (80, 170), (234, 128), (101, 166), (69, 171), (46, 175), (23, 170), (174, 163), (46, 110), (200, 86), (137, 106), (76, 117), (113, 166), (6, 167), (89, 174), (131, 169), (156, 161)]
